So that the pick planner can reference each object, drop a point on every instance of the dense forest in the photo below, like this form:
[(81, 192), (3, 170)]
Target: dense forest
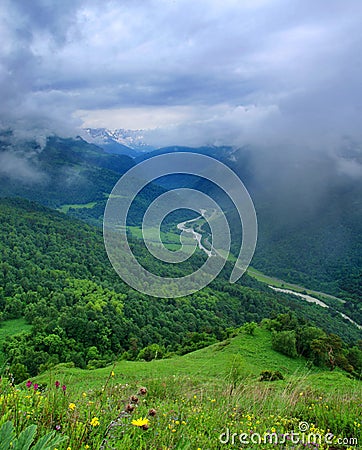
[(55, 273)]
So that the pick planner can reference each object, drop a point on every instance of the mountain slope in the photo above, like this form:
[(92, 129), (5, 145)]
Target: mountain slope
[(55, 273), (196, 401)]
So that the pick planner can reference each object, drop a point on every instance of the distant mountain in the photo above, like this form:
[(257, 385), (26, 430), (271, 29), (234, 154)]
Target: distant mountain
[(67, 173), (119, 141), (225, 154)]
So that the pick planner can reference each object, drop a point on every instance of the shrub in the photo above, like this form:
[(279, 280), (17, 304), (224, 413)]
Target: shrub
[(268, 375)]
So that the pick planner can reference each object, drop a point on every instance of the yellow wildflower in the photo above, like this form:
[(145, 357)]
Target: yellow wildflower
[(71, 407), (112, 374), (140, 422), (95, 422)]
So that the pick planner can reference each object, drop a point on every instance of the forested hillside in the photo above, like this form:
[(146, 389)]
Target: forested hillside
[(55, 273)]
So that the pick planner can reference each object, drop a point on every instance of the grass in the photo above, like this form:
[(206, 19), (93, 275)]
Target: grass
[(190, 400), (170, 240), (65, 208), (276, 282), (11, 328)]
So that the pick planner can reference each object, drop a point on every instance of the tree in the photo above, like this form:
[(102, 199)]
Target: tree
[(285, 342)]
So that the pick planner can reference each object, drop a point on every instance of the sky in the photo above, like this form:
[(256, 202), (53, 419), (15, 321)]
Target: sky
[(279, 73)]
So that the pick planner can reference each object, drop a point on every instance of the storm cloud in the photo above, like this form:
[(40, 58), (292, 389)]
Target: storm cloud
[(276, 73)]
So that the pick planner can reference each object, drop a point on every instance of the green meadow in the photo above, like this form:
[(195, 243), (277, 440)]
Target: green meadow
[(195, 401)]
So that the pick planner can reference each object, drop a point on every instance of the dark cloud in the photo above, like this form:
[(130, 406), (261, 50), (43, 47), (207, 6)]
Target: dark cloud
[(275, 73)]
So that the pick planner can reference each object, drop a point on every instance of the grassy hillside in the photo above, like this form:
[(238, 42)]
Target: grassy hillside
[(190, 401)]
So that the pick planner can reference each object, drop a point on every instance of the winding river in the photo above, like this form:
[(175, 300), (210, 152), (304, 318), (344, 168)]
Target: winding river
[(311, 299), (198, 236)]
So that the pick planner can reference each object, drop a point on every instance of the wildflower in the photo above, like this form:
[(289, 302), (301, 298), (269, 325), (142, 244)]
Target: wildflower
[(134, 399), (57, 427), (64, 388), (152, 412), (129, 408), (142, 391), (112, 374), (141, 423), (35, 386), (84, 395), (72, 406), (28, 384), (95, 422), (57, 384)]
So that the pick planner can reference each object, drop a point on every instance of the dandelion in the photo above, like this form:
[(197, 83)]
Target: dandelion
[(112, 374), (84, 395), (72, 406), (95, 422), (141, 423)]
